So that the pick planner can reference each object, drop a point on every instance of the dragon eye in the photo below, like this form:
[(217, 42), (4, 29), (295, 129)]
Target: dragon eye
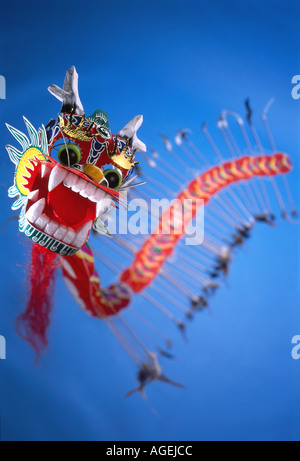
[(69, 154), (114, 178), (103, 131)]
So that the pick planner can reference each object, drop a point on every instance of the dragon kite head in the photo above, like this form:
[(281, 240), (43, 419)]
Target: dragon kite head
[(69, 172)]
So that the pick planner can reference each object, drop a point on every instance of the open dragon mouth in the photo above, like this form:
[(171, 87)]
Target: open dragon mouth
[(62, 206)]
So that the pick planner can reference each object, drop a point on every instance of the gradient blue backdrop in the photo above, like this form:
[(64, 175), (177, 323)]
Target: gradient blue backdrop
[(178, 63)]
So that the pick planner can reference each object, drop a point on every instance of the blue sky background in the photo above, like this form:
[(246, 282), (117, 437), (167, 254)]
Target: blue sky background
[(178, 63)]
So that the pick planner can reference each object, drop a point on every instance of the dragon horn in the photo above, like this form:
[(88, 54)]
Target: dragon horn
[(69, 95), (129, 132)]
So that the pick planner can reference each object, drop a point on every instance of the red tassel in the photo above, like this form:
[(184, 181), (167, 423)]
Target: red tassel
[(33, 323)]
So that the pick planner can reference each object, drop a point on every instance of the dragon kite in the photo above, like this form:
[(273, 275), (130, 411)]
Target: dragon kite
[(71, 172)]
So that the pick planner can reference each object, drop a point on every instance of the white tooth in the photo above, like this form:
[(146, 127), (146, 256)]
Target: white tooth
[(66, 182), (82, 235), (90, 189), (33, 195), (57, 175), (100, 209), (98, 195), (42, 221), (71, 180), (43, 170), (102, 206), (79, 186), (35, 211), (60, 233), (70, 236), (51, 228), (83, 193)]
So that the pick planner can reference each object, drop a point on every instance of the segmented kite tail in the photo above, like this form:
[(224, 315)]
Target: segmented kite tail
[(159, 246), (79, 272), (83, 282)]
